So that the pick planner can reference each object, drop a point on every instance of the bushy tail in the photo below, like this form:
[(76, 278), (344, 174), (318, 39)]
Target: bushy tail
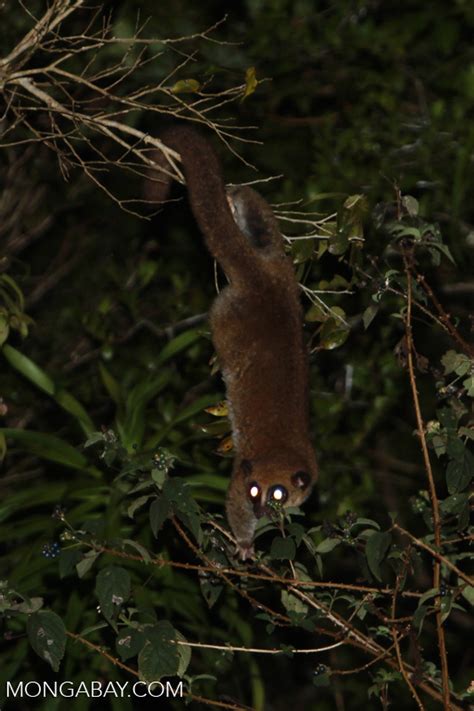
[(208, 198), (238, 225)]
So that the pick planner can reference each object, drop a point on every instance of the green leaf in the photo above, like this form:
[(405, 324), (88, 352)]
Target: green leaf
[(159, 657), (292, 603), (4, 328), (283, 548), (356, 204), (210, 589), (468, 593), (28, 369), (139, 548), (428, 595), (184, 653), (400, 230), (337, 283), (110, 384), (47, 446), (7, 281), (460, 472), (333, 334), (411, 205), (69, 403), (454, 362), (178, 493), (185, 86), (418, 617), (367, 522), (47, 635), (456, 449), (251, 82), (38, 377), (158, 476), (68, 560), (137, 504), (160, 509), (444, 249), (112, 589), (302, 250), (131, 428), (84, 565), (376, 549), (466, 432), (29, 605), (178, 344), (327, 545), (454, 504), (338, 242), (448, 418), (129, 642), (195, 407), (446, 604), (369, 315), (469, 385), (316, 313)]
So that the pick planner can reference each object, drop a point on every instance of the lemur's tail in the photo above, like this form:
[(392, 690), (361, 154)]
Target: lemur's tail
[(234, 237)]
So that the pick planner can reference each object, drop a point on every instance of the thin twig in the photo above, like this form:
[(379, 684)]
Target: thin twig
[(273, 577), (445, 318), (259, 650), (396, 643), (431, 482), (437, 556)]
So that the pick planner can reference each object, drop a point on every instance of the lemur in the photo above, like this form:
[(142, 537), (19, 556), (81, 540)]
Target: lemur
[(256, 325)]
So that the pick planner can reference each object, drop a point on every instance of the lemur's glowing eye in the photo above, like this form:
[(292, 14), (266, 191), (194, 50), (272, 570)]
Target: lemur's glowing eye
[(254, 491), (278, 494)]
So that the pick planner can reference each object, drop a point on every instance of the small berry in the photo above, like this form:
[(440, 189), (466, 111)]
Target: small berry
[(320, 669), (51, 550)]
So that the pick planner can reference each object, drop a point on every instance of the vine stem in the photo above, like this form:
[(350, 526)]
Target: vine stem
[(396, 642), (445, 318), (431, 482)]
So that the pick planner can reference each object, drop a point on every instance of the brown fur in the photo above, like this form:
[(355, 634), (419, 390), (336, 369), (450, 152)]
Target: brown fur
[(256, 324)]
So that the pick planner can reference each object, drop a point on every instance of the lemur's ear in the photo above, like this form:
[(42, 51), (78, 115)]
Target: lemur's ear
[(301, 480), (256, 220)]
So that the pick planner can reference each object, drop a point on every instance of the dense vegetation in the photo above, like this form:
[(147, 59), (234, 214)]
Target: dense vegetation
[(117, 562)]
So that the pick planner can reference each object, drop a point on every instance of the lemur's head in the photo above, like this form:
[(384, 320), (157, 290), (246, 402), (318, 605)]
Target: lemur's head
[(260, 485), (269, 483)]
